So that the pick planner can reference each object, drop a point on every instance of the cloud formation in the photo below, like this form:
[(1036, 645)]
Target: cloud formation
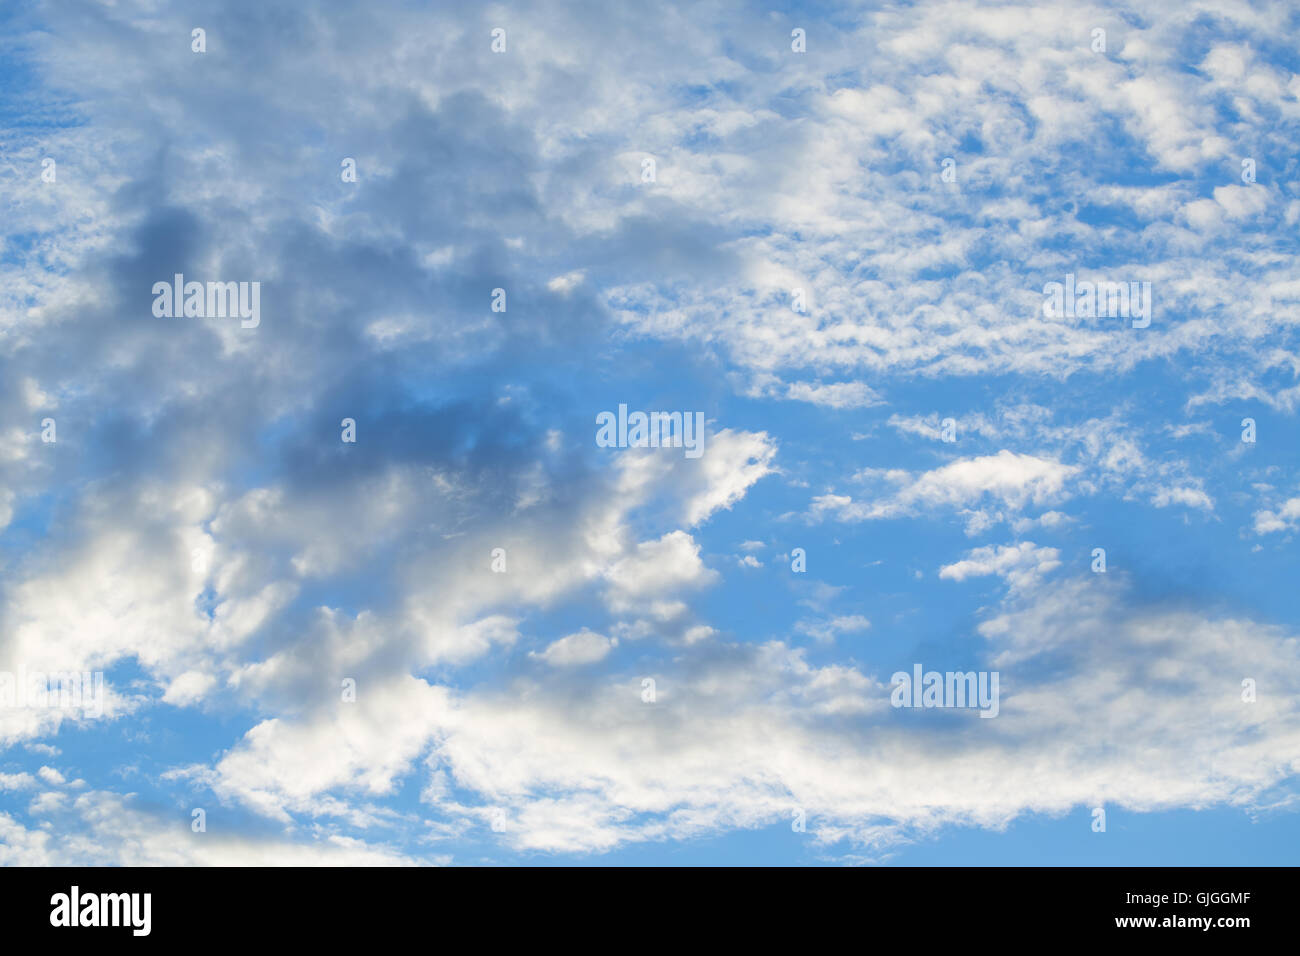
[(432, 643)]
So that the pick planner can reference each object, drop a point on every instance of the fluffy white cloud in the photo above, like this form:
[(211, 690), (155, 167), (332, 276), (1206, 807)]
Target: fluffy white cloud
[(1021, 564), (1284, 517), (657, 570), (582, 647), (1010, 479)]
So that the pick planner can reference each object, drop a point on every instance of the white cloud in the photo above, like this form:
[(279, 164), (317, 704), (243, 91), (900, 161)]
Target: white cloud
[(656, 570), (1010, 479), (51, 776), (1286, 517), (827, 630), (1022, 564), (582, 647), (107, 829)]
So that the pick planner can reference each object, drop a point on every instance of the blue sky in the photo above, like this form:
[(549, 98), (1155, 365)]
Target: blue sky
[(947, 455)]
